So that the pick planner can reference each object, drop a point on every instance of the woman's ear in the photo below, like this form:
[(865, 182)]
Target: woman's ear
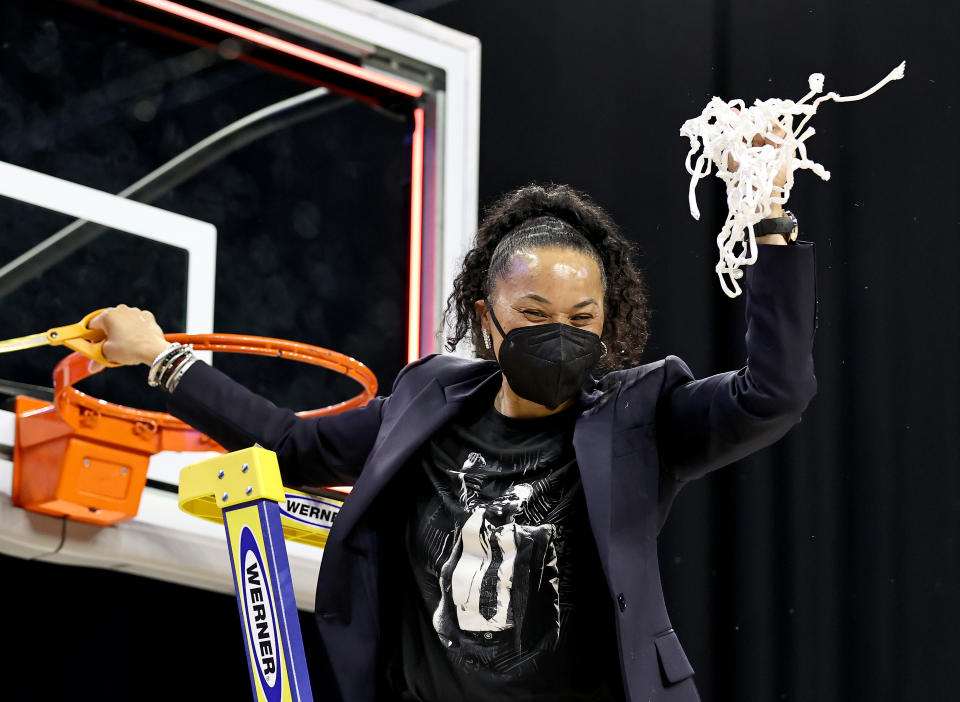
[(480, 306)]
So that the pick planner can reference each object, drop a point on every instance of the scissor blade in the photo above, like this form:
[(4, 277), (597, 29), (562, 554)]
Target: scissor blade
[(23, 342)]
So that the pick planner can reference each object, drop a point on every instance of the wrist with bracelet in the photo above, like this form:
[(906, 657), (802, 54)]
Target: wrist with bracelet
[(170, 366)]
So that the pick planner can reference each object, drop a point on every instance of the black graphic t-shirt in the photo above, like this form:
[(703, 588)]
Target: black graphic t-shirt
[(503, 596)]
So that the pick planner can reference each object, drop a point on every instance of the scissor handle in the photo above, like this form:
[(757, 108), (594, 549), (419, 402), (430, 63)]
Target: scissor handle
[(80, 337)]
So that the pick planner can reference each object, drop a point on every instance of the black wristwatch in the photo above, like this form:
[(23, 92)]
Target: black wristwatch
[(784, 226)]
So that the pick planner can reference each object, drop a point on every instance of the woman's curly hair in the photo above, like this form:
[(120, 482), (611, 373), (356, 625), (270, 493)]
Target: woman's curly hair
[(625, 301)]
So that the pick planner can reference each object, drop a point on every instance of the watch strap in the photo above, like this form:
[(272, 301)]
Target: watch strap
[(774, 225), (784, 226)]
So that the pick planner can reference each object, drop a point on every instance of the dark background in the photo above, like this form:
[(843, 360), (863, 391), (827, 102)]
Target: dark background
[(826, 567)]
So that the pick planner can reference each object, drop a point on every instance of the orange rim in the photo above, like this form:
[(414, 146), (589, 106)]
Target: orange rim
[(80, 410)]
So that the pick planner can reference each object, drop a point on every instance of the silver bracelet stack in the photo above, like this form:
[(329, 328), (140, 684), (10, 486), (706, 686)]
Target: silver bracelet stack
[(170, 365)]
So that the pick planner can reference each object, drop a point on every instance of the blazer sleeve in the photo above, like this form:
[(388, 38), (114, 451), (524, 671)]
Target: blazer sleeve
[(311, 451), (708, 423)]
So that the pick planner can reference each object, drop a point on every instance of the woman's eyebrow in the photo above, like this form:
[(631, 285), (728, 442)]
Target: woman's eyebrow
[(545, 301), (532, 296)]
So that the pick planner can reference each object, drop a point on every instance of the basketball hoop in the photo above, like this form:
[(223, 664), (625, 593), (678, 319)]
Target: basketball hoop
[(80, 410), (88, 461)]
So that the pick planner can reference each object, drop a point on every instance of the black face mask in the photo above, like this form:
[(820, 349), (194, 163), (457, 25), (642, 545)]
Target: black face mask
[(547, 363)]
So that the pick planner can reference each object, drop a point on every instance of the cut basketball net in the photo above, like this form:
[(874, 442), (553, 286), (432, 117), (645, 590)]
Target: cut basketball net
[(726, 136)]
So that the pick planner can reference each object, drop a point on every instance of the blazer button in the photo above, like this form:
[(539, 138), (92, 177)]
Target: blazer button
[(622, 601)]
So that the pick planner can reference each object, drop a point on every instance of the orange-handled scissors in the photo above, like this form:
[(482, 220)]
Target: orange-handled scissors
[(78, 337)]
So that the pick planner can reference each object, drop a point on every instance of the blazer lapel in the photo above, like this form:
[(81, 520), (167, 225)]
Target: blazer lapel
[(592, 443)]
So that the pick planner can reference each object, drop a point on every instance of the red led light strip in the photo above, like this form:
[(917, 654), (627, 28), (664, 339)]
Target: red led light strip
[(195, 41), (286, 47), (416, 236)]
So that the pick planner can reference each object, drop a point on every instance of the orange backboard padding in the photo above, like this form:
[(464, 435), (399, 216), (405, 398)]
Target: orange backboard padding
[(87, 459)]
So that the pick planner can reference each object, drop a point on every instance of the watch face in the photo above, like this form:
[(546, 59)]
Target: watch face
[(793, 219)]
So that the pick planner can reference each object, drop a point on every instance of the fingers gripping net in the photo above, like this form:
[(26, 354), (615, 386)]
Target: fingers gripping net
[(727, 138)]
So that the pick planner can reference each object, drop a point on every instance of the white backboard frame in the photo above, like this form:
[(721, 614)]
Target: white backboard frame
[(197, 238)]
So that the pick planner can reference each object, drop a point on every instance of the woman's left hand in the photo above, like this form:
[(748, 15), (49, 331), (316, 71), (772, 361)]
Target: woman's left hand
[(760, 140), (776, 209)]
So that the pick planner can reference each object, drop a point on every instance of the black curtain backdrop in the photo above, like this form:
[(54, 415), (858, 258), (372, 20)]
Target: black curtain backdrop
[(824, 568)]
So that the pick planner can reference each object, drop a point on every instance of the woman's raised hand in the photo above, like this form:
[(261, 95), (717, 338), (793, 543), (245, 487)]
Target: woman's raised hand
[(776, 209), (132, 336), (760, 140)]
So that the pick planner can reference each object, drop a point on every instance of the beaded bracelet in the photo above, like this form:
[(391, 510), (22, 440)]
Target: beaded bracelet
[(171, 365), (160, 361), (167, 363), (180, 372)]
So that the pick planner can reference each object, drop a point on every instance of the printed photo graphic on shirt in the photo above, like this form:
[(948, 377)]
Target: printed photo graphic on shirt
[(497, 569), (482, 578), (502, 591)]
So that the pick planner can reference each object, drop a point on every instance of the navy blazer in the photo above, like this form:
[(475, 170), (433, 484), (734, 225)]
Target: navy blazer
[(641, 434)]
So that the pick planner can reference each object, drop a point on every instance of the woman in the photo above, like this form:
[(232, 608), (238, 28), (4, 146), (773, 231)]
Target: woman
[(500, 540)]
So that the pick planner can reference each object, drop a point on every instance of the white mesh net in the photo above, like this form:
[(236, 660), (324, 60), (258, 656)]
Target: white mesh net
[(726, 131)]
